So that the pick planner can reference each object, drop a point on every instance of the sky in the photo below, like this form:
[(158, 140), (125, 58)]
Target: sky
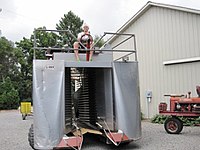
[(18, 18)]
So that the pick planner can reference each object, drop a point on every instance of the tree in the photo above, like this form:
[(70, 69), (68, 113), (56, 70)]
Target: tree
[(25, 84), (100, 43), (72, 23), (9, 65), (16, 62), (43, 39), (9, 97)]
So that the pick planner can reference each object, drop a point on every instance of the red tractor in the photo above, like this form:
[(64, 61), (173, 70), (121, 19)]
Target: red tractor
[(180, 105)]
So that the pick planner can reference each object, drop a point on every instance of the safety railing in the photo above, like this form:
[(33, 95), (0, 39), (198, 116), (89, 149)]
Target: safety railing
[(101, 50)]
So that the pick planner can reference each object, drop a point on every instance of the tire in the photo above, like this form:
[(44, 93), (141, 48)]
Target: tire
[(173, 125), (24, 116), (31, 137)]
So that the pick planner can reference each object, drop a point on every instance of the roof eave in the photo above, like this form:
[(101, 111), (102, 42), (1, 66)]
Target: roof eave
[(144, 9)]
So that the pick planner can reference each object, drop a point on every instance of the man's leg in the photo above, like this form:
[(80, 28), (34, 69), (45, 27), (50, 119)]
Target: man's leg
[(91, 54), (76, 46)]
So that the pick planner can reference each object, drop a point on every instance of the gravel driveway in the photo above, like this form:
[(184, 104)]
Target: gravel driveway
[(14, 130)]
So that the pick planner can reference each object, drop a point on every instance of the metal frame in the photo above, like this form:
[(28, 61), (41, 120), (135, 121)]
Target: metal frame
[(181, 114), (133, 51)]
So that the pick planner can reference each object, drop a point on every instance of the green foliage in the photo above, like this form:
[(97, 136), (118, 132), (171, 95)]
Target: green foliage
[(9, 64), (16, 62), (44, 38), (25, 76), (142, 116), (190, 121), (9, 97), (100, 43), (72, 23), (187, 121), (159, 119)]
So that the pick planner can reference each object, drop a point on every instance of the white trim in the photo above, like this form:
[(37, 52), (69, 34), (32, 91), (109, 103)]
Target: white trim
[(175, 7), (181, 61)]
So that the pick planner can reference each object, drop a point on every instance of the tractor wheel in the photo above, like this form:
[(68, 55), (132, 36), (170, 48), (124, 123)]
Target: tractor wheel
[(31, 137), (173, 125)]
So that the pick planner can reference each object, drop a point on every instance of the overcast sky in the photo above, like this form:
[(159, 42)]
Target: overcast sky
[(18, 18)]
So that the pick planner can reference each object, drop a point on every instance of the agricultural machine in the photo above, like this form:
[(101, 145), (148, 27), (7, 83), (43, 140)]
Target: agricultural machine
[(74, 98), (180, 106)]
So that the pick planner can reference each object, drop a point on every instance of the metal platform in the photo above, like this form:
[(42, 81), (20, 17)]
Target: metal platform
[(99, 60)]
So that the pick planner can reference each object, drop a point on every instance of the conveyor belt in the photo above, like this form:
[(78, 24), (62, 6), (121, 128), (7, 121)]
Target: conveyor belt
[(68, 101), (87, 104)]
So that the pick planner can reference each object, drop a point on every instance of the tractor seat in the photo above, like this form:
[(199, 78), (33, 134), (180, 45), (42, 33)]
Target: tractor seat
[(198, 90)]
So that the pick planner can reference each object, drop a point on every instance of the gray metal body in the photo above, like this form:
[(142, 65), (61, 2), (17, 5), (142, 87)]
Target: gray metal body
[(116, 97), (48, 103)]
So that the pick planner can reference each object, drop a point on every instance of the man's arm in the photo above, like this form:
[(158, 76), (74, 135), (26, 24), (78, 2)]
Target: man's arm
[(79, 36)]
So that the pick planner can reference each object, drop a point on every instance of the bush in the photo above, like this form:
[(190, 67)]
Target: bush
[(142, 116), (9, 97), (187, 121), (159, 119)]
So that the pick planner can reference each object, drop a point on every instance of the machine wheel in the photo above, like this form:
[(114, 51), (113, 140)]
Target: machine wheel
[(31, 137), (173, 125)]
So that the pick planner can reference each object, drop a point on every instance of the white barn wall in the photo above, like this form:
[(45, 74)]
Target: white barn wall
[(164, 34)]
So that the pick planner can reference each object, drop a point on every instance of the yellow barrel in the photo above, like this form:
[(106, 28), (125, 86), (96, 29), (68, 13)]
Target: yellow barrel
[(25, 107)]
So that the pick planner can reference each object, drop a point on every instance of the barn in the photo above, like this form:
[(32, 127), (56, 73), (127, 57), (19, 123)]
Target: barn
[(168, 52)]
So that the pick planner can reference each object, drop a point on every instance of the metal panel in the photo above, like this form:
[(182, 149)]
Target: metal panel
[(102, 60), (126, 98), (104, 96), (48, 103), (90, 64), (98, 57)]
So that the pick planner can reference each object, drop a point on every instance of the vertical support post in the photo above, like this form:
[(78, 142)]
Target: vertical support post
[(135, 48), (147, 108), (87, 55), (34, 57), (88, 52)]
